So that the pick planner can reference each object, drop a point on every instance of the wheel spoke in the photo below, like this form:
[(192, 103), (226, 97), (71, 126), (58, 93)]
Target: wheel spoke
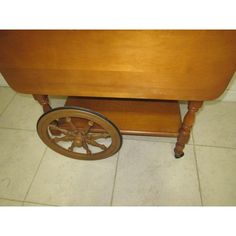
[(95, 136), (64, 138), (85, 146), (54, 127), (88, 127), (69, 121), (71, 148), (96, 144)]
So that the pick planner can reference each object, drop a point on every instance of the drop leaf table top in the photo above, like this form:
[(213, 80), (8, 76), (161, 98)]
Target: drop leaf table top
[(148, 64)]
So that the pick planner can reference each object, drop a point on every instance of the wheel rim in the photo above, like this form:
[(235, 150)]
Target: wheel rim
[(79, 133)]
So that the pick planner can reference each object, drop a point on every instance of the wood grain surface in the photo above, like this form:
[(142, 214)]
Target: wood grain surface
[(149, 64), (136, 117)]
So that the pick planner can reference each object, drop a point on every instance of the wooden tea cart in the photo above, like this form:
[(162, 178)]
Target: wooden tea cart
[(117, 82)]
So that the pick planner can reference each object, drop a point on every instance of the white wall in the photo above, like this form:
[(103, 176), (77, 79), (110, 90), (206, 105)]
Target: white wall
[(229, 94)]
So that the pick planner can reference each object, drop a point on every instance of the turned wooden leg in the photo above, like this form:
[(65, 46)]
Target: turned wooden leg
[(184, 133), (43, 101)]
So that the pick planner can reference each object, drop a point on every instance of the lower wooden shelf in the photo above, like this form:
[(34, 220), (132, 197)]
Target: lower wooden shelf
[(136, 117)]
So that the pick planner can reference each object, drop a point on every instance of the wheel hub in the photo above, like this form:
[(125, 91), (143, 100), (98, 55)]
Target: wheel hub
[(79, 138)]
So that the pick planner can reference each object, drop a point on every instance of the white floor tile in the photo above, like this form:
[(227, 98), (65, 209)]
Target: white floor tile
[(6, 95), (5, 202), (22, 113), (34, 204), (216, 125), (65, 181), (217, 172), (20, 155), (148, 174)]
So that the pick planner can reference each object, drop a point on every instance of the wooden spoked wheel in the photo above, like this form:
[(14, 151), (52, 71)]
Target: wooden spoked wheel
[(79, 133)]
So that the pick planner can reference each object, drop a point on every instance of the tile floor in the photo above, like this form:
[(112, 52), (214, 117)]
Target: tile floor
[(143, 173)]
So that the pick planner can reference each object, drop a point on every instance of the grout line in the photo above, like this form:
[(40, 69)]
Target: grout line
[(223, 147), (196, 165), (14, 200), (8, 104), (114, 181), (11, 200), (19, 129), (38, 203), (36, 172)]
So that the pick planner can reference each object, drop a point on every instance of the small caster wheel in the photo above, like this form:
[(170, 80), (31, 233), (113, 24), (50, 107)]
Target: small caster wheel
[(80, 133), (179, 155)]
